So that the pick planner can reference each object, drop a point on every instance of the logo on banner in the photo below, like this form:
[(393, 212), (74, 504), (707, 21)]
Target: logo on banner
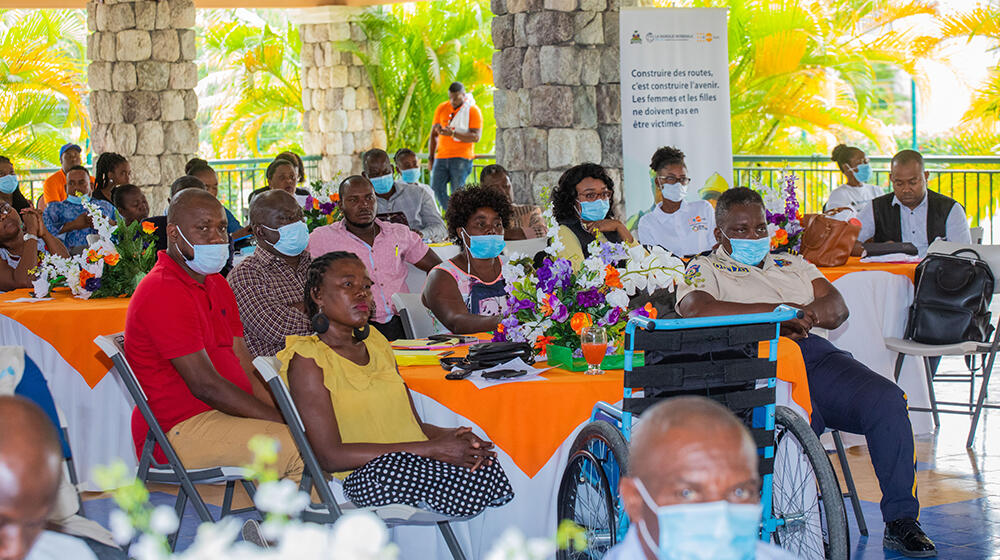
[(673, 37), (706, 37), (636, 39)]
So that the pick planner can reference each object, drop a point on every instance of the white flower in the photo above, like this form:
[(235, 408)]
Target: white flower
[(617, 298), (359, 535), (214, 540), (148, 547), (513, 272), (40, 285), (163, 520), (121, 527), (281, 497), (513, 546), (306, 540)]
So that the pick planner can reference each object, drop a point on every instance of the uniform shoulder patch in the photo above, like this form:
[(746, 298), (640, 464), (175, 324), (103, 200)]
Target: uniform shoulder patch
[(730, 267), (691, 273), (781, 263)]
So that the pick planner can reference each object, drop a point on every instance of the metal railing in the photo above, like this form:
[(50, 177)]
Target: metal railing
[(972, 181)]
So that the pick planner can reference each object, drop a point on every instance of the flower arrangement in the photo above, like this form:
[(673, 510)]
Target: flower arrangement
[(111, 266), (322, 207), (784, 219), (552, 303), (357, 535)]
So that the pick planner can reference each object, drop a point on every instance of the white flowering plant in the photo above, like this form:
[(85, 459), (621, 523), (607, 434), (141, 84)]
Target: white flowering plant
[(111, 266), (357, 535), (552, 303)]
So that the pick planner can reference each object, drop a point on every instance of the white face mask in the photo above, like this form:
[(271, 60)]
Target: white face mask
[(674, 192), (208, 259)]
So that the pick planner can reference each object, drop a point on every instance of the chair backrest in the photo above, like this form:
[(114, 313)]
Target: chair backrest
[(976, 233), (314, 475), (988, 253), (418, 322), (528, 247), (113, 346)]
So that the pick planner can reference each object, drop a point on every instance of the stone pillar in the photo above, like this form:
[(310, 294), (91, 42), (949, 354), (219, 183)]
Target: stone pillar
[(341, 118), (557, 89), (142, 77)]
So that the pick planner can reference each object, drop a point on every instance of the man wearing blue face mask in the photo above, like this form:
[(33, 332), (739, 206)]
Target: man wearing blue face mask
[(693, 490), (269, 284), (9, 190), (741, 276), (68, 219), (417, 204), (185, 342), (408, 166)]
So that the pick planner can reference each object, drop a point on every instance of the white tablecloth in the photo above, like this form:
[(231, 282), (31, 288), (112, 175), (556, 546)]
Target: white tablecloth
[(97, 419), (878, 302)]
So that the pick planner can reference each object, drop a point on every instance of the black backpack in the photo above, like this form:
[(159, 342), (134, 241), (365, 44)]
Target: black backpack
[(952, 299)]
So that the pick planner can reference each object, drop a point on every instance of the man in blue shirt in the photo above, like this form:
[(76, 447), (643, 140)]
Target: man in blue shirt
[(68, 219)]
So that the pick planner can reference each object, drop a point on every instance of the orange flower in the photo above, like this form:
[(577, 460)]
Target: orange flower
[(335, 197), (112, 259), (500, 328), (542, 341), (580, 321), (650, 310), (611, 277), (315, 204), (148, 227), (92, 256), (780, 238), (545, 308), (84, 276)]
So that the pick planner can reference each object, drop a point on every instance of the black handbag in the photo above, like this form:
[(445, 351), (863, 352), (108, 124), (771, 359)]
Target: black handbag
[(489, 354), (952, 299)]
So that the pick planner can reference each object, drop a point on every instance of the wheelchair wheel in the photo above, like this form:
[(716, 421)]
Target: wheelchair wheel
[(588, 492), (806, 494)]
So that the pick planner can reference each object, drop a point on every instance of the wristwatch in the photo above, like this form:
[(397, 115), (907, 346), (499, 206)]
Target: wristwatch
[(29, 236)]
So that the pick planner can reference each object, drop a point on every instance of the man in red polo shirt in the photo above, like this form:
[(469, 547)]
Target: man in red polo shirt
[(184, 339)]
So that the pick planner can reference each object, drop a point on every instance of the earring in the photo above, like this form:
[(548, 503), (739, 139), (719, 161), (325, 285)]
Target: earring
[(320, 323), (362, 333)]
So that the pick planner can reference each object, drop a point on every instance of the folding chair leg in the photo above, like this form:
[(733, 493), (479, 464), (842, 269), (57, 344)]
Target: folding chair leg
[(930, 392), (987, 371), (179, 507), (449, 537), (899, 366), (227, 497), (187, 487), (852, 490), (249, 487)]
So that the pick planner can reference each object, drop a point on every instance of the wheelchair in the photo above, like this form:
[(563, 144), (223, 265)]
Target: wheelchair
[(715, 357)]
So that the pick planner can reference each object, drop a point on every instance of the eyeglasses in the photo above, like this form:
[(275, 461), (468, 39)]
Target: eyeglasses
[(670, 179), (592, 196)]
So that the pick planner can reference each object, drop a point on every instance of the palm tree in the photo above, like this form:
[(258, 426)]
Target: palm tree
[(255, 103), (808, 68), (41, 83), (412, 54)]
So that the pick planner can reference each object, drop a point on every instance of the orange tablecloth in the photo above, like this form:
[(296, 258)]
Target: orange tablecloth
[(854, 264), (70, 326), (530, 420)]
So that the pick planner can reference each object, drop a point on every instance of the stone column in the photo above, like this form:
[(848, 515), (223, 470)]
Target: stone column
[(142, 77), (557, 89), (341, 117)]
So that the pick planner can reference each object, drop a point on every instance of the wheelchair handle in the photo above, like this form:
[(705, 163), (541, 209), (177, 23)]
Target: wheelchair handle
[(780, 314)]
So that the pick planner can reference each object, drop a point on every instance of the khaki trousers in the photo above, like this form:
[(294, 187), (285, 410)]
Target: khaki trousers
[(213, 439)]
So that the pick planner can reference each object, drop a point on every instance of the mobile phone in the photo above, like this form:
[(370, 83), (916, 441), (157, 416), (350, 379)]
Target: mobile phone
[(458, 374)]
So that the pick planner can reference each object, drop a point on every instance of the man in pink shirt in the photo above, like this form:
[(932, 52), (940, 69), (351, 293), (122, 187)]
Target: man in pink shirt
[(385, 249)]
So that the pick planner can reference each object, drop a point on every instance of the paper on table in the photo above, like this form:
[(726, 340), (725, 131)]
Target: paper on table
[(481, 382), (29, 300), (892, 258)]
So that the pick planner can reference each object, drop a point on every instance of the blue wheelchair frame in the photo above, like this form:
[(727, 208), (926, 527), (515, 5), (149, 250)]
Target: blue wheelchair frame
[(763, 417)]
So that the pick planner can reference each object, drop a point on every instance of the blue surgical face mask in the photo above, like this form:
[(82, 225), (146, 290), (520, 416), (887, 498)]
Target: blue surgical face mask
[(485, 246), (208, 259), (382, 184), (705, 531), (593, 210), (8, 183), (292, 238), (863, 172), (410, 175), (78, 199), (749, 251)]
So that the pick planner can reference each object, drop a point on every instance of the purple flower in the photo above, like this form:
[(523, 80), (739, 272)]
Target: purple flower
[(589, 298), (563, 271), (640, 312), (559, 311), (92, 284), (611, 253), (514, 304), (327, 208), (546, 277), (309, 202), (611, 317)]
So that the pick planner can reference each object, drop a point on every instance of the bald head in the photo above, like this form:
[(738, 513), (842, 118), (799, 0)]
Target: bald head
[(30, 471), (683, 419), (268, 204), (191, 200)]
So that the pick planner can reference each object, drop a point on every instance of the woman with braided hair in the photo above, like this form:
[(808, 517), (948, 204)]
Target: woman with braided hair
[(358, 414), (110, 171)]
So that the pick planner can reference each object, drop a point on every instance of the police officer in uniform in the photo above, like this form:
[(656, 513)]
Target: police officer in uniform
[(741, 276)]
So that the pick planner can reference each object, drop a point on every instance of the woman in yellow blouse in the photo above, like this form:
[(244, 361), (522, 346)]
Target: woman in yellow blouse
[(358, 414), (581, 204)]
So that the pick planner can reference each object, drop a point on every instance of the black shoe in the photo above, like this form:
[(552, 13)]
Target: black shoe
[(906, 536)]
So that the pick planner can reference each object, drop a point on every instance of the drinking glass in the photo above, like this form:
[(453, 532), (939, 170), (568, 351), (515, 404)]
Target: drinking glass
[(594, 341)]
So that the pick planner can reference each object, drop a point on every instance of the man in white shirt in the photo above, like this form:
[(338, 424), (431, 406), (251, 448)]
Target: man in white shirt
[(911, 213), (690, 454), (30, 471)]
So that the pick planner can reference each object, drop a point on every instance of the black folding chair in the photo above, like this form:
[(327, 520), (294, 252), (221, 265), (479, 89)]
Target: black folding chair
[(173, 472), (328, 510)]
